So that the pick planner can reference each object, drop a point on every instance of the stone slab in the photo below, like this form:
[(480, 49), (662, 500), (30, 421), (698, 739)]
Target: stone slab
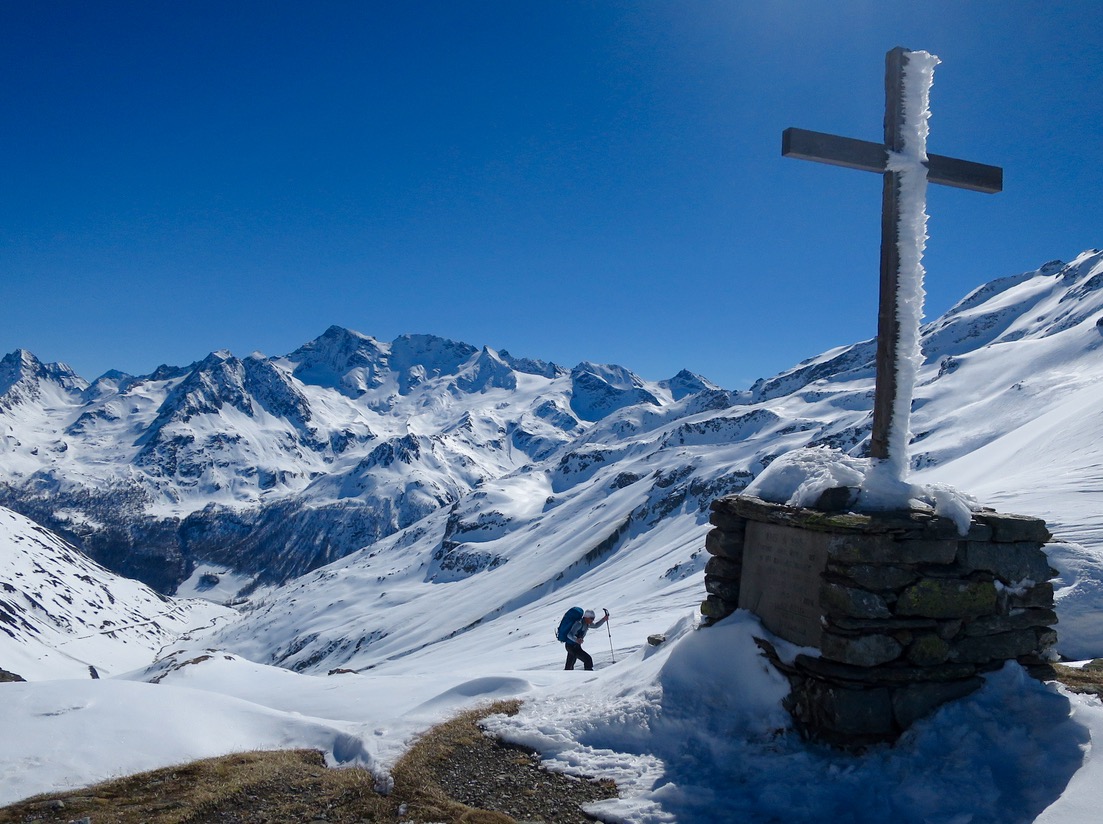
[(782, 577)]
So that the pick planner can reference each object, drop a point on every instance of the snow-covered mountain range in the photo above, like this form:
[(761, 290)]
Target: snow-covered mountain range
[(468, 496), (275, 466)]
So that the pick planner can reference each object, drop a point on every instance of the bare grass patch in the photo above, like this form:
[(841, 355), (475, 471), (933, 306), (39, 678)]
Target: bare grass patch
[(454, 773)]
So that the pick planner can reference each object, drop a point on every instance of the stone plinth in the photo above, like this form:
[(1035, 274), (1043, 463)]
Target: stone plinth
[(904, 611)]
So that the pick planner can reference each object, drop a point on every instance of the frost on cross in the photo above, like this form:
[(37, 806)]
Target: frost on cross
[(907, 168), (885, 486)]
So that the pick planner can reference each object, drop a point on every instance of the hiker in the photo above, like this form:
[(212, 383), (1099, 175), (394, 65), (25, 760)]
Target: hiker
[(576, 635)]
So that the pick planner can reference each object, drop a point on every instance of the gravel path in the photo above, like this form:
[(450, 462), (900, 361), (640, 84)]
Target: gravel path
[(496, 776)]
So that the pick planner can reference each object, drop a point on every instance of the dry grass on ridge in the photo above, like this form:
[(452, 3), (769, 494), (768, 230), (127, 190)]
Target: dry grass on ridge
[(1087, 679), (454, 773)]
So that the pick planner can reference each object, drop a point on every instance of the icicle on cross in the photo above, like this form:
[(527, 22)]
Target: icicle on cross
[(907, 168)]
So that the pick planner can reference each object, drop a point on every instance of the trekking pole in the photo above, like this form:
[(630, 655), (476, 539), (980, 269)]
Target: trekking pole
[(611, 653)]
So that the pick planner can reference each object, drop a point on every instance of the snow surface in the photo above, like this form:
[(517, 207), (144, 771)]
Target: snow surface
[(800, 477), (691, 730), (682, 750), (216, 583)]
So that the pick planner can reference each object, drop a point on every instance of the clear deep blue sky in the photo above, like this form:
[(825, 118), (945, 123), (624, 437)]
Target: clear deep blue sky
[(566, 180)]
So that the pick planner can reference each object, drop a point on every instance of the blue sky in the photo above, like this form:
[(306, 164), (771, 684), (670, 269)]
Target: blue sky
[(566, 180)]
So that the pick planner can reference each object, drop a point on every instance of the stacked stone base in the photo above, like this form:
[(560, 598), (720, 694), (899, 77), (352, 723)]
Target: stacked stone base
[(911, 612)]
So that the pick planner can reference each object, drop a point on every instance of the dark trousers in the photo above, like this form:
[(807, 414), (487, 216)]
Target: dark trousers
[(577, 653)]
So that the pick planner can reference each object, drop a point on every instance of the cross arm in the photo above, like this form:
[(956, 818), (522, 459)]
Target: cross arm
[(870, 157), (829, 148)]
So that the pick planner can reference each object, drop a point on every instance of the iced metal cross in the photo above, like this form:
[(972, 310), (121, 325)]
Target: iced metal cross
[(873, 157)]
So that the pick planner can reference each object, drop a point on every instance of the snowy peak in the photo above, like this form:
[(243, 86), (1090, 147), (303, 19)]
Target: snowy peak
[(109, 383), (356, 364), (341, 359), (419, 358), (221, 381), (275, 392), (23, 377), (855, 361), (626, 496), (687, 383), (487, 371), (230, 424), (217, 381), (267, 464), (1054, 298), (597, 390), (544, 369), (496, 507), (231, 460)]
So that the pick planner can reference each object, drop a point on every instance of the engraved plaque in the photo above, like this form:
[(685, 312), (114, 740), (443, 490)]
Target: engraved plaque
[(782, 573)]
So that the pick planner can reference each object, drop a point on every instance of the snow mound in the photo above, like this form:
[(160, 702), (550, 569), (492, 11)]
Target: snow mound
[(696, 732), (133, 722), (800, 477)]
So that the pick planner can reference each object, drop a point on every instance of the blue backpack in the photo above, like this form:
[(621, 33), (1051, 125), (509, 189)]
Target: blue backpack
[(570, 617)]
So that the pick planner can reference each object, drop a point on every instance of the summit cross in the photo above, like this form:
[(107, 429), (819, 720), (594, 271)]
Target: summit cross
[(875, 157)]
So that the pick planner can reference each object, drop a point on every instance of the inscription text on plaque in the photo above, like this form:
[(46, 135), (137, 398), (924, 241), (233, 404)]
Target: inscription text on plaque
[(782, 574)]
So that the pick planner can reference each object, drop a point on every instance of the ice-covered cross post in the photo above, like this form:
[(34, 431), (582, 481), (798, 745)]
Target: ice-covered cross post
[(907, 168)]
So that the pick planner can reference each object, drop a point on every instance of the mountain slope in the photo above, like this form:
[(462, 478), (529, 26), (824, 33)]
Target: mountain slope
[(61, 613)]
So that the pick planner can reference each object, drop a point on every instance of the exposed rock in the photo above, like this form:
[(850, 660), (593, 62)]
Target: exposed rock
[(725, 590), (913, 701), (842, 715), (1017, 619), (852, 602), (1010, 562), (713, 608), (836, 499), (984, 648), (725, 544), (861, 650), (883, 549), (928, 650), (722, 567), (1008, 529), (876, 577), (947, 598), (8, 677)]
